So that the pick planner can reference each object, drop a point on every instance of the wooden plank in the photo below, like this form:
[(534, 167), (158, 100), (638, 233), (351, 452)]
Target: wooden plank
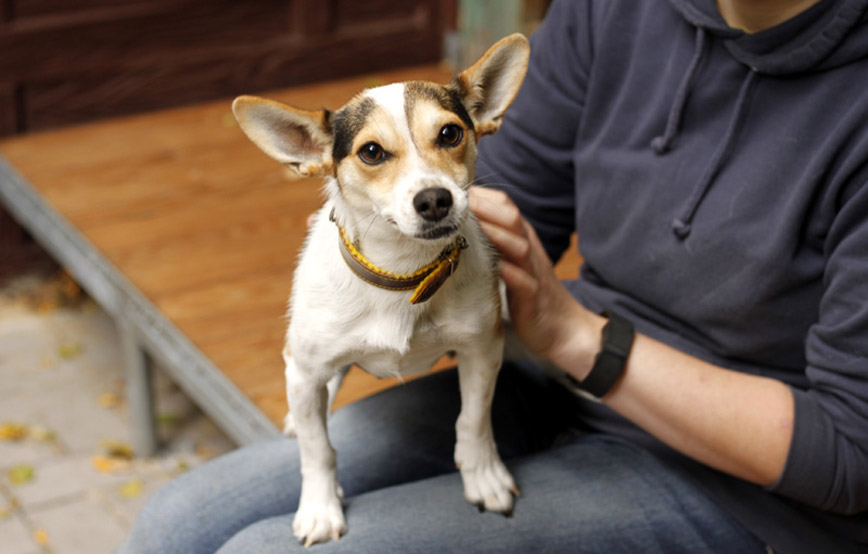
[(210, 313)]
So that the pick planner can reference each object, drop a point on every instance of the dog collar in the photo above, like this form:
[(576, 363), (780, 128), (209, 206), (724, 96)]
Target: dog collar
[(424, 282)]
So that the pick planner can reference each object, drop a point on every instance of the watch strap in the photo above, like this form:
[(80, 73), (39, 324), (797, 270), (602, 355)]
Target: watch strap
[(610, 363)]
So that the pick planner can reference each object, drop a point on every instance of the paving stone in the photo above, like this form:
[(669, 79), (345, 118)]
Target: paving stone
[(58, 480), (27, 452), (72, 412), (16, 538), (127, 507), (54, 347), (79, 527), (27, 355)]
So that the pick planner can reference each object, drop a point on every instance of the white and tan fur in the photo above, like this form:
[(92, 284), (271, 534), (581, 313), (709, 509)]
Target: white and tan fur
[(337, 319)]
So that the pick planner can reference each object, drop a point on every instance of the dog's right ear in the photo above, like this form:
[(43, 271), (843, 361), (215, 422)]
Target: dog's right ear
[(300, 139)]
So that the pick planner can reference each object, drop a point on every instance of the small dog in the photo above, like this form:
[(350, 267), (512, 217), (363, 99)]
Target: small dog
[(379, 282)]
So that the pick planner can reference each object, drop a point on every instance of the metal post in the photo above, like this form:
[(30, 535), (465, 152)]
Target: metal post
[(138, 368)]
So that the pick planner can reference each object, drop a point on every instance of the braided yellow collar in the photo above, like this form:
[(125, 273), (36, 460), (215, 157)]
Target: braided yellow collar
[(424, 282)]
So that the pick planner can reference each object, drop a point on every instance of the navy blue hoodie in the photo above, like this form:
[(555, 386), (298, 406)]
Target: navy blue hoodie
[(718, 182)]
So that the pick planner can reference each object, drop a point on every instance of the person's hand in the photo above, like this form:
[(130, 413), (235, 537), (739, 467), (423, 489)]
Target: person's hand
[(546, 318)]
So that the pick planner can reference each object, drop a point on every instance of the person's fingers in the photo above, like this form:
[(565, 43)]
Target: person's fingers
[(494, 206), (512, 247), (518, 281)]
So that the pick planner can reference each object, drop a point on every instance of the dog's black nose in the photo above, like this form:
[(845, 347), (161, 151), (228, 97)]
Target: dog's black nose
[(433, 203)]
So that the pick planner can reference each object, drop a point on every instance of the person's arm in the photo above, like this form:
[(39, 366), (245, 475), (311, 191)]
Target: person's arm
[(734, 422), (810, 444)]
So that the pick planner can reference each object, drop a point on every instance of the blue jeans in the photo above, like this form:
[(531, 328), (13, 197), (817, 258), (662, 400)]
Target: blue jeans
[(581, 492)]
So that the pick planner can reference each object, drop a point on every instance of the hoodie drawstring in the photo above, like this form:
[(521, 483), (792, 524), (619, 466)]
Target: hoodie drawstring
[(662, 143), (682, 224)]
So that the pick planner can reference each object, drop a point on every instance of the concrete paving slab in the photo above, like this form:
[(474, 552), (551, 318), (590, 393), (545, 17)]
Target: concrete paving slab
[(16, 537), (54, 482), (72, 412), (122, 500), (78, 526), (27, 452)]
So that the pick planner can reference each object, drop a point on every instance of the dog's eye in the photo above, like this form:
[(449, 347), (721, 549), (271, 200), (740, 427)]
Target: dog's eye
[(450, 135), (372, 153)]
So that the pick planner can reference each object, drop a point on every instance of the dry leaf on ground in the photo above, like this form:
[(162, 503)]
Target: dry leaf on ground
[(117, 449), (41, 537), (13, 431), (69, 350), (107, 464), (109, 400), (21, 474), (130, 489)]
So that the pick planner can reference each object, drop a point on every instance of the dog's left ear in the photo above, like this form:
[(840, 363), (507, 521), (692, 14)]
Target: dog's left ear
[(489, 86), (300, 139)]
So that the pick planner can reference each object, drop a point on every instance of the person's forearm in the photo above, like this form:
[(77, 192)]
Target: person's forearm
[(734, 422)]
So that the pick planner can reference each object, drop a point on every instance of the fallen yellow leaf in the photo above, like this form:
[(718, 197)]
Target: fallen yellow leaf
[(109, 400), (107, 464), (69, 350), (118, 449), (19, 475), (11, 431), (130, 489), (40, 536)]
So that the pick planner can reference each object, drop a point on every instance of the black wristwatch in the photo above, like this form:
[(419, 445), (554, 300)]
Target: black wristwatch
[(612, 360)]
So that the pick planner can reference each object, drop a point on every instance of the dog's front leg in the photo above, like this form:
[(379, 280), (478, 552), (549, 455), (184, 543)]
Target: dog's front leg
[(319, 516), (487, 482), (333, 387)]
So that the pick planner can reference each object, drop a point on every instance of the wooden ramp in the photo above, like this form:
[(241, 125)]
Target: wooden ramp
[(186, 234)]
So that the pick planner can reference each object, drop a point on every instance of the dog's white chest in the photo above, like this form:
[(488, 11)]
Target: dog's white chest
[(343, 320), (393, 364), (403, 351)]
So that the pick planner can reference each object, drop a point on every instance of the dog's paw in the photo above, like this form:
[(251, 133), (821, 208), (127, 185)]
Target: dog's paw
[(490, 486), (319, 522), (288, 425)]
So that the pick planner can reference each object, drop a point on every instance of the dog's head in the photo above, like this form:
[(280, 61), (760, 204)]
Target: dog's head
[(404, 152)]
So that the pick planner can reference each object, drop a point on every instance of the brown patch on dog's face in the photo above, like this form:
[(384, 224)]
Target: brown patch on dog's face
[(435, 117), (377, 154), (447, 98)]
